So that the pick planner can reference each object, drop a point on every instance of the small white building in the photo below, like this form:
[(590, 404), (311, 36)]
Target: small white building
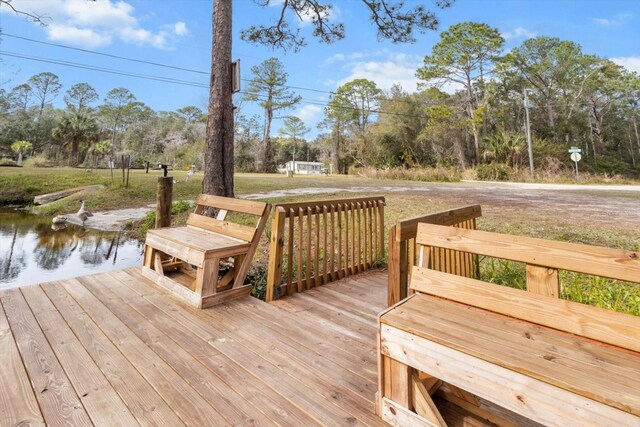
[(304, 167)]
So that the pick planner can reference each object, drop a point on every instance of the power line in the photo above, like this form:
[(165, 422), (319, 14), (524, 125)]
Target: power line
[(261, 96), (104, 70), (157, 64), (124, 58)]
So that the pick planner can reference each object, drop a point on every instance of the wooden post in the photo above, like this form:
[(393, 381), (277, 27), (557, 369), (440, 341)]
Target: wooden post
[(395, 291), (122, 164), (275, 257), (128, 168), (163, 205)]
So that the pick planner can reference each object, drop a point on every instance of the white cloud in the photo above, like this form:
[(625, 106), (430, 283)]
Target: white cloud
[(101, 12), (96, 23), (80, 36), (616, 20), (339, 57), (631, 63), (310, 114), (180, 28), (336, 57), (518, 33), (396, 69), (141, 37), (306, 17)]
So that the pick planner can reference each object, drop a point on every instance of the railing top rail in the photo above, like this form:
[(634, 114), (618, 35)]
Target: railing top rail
[(408, 228), (285, 208)]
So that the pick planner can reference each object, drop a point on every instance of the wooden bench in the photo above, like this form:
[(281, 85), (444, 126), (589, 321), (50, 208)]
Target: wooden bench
[(540, 359), (186, 260)]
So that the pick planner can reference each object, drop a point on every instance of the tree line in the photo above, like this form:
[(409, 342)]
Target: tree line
[(574, 99), (88, 132), (469, 111)]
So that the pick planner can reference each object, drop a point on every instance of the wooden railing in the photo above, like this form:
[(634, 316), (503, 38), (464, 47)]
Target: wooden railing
[(313, 243), (402, 245)]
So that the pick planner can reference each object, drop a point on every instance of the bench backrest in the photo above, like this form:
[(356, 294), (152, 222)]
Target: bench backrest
[(539, 304), (224, 205)]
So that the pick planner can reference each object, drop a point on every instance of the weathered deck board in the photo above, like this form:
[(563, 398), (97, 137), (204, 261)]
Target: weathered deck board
[(126, 353), (18, 405), (57, 398)]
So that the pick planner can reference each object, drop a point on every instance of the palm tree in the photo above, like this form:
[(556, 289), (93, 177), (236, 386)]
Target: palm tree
[(21, 147), (75, 129), (503, 147)]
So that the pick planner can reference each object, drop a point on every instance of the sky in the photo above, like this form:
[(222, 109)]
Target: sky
[(177, 33)]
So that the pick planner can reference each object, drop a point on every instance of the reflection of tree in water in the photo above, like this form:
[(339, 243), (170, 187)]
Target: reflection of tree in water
[(12, 263), (54, 247)]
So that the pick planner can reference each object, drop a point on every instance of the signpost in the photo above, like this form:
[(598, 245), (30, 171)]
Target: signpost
[(576, 157)]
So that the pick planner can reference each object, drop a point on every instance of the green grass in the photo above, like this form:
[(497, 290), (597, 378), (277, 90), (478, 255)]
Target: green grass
[(22, 184), (597, 291)]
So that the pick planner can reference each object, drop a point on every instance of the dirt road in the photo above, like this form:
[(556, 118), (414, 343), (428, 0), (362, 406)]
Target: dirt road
[(609, 206)]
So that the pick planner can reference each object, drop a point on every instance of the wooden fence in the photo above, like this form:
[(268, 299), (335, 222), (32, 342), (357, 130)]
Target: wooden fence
[(318, 242), (402, 245)]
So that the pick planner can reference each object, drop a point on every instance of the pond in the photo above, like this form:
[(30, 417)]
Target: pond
[(32, 251)]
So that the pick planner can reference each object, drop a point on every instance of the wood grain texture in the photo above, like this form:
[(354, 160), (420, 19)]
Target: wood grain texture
[(18, 404), (605, 262), (230, 204), (58, 401), (101, 401), (598, 373), (591, 322), (399, 416), (140, 397), (245, 362), (404, 250), (517, 392), (226, 228), (325, 241)]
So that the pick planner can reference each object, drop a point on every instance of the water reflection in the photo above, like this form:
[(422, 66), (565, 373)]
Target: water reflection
[(32, 250)]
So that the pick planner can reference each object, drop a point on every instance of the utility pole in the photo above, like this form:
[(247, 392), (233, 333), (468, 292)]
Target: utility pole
[(528, 132), (293, 168)]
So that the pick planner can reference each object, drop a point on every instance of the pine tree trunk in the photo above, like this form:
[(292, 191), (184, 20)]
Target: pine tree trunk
[(476, 136), (267, 155), (335, 149), (218, 158)]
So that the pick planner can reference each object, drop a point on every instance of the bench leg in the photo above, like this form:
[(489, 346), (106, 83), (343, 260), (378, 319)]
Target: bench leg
[(397, 382), (207, 277), (148, 256), (403, 388)]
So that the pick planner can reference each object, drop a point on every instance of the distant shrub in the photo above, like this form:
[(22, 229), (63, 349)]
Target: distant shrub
[(8, 162), (38, 162), (435, 174), (493, 172)]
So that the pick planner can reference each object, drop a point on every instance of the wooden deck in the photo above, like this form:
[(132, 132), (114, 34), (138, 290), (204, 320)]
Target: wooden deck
[(111, 349)]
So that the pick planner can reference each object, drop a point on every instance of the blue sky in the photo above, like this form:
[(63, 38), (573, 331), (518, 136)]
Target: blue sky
[(178, 33)]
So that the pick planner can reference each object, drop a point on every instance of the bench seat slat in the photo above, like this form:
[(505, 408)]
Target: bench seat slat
[(582, 366), (534, 399), (199, 241)]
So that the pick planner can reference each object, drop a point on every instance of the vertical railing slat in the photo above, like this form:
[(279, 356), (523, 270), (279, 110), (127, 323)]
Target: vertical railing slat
[(322, 242), (308, 262), (316, 272), (339, 233), (300, 247), (290, 253)]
